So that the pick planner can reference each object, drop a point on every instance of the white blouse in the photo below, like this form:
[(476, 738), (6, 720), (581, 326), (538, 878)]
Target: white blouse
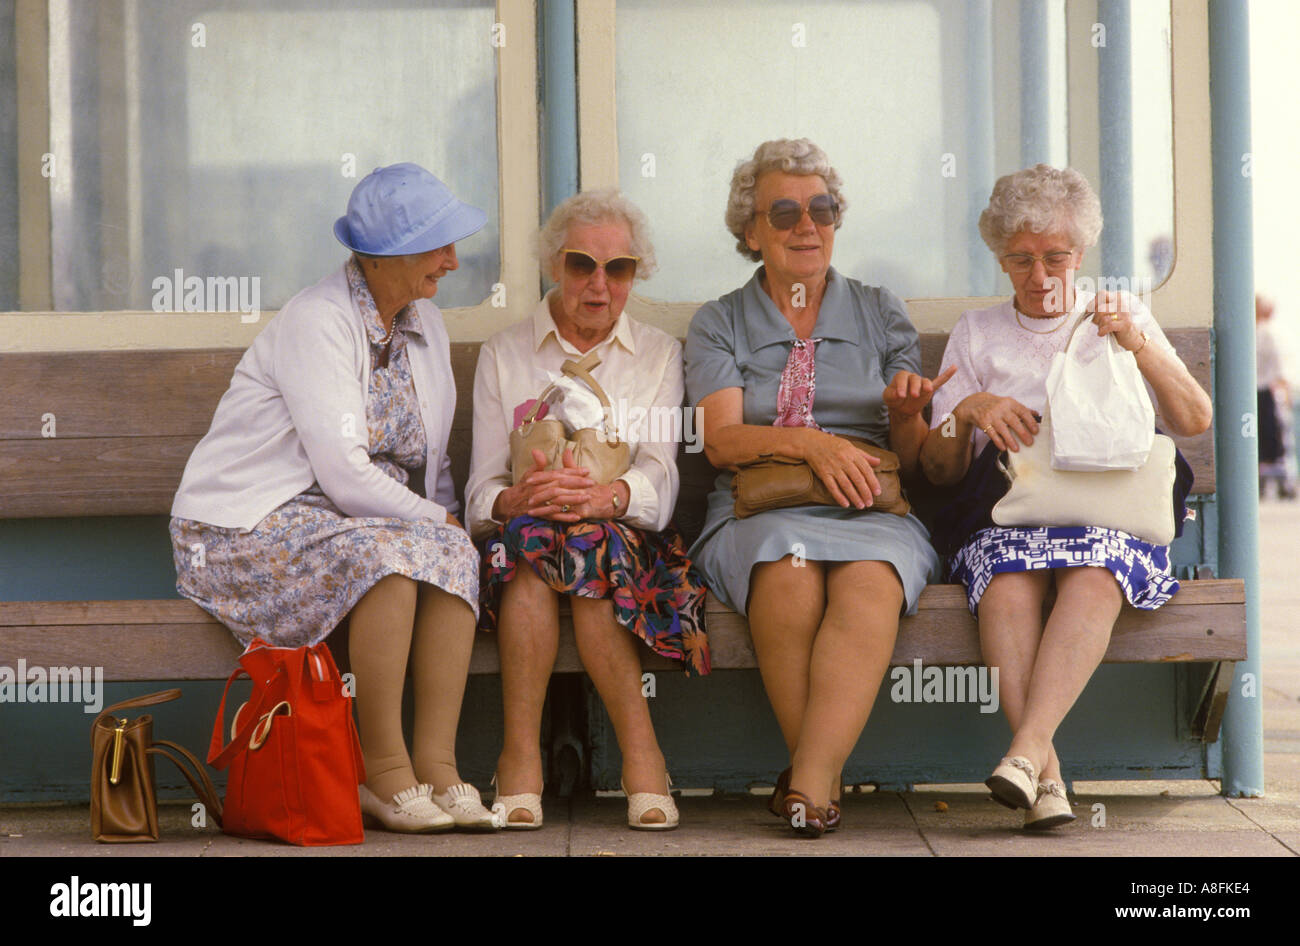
[(640, 369), (995, 353)]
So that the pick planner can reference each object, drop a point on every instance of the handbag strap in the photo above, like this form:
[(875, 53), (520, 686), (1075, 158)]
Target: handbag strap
[(204, 790), (574, 369), (162, 696), (219, 757)]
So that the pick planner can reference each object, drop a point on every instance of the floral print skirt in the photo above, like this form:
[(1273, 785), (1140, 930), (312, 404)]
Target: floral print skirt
[(656, 593), (297, 574)]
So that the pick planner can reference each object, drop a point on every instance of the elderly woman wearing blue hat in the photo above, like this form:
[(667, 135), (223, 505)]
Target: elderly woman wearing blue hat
[(323, 493)]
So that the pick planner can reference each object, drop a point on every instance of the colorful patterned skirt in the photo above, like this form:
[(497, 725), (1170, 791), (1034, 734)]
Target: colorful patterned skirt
[(656, 593), (1142, 569)]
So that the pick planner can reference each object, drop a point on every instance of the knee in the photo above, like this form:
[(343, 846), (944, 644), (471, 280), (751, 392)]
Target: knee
[(1090, 586), (793, 581)]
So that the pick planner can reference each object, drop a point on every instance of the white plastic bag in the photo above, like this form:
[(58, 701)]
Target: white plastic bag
[(1102, 418)]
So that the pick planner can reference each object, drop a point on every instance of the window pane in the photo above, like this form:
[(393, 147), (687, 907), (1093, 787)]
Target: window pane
[(920, 104), (223, 137)]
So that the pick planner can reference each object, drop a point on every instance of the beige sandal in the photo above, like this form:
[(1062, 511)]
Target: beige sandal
[(503, 806), (1052, 808), (640, 803)]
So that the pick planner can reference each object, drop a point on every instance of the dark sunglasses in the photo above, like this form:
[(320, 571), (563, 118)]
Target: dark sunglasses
[(582, 265), (785, 214)]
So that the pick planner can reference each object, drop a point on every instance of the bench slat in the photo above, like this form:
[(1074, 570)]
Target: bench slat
[(120, 448), (177, 640)]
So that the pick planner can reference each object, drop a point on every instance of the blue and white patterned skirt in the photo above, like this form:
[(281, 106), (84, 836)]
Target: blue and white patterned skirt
[(1141, 569)]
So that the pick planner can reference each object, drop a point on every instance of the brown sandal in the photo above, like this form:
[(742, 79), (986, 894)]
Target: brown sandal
[(807, 819)]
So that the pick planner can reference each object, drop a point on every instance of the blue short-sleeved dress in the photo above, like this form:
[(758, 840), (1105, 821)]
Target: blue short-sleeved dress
[(742, 340)]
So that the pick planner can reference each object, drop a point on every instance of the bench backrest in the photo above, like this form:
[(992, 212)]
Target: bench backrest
[(108, 433)]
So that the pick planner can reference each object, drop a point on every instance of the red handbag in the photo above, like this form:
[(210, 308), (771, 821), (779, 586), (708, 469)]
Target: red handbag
[(294, 756)]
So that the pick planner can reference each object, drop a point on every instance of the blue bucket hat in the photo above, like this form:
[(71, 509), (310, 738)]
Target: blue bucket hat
[(404, 209)]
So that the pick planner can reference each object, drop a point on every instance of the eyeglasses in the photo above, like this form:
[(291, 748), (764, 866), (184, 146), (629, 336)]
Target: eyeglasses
[(582, 265), (1023, 263), (785, 214)]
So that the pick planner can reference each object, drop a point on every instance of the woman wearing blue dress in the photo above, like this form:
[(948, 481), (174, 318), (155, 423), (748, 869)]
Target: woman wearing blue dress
[(797, 354)]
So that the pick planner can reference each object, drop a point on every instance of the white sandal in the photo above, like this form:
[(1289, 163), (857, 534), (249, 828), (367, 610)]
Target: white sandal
[(1052, 809), (465, 806), (1014, 783), (640, 803), (411, 811), (503, 806)]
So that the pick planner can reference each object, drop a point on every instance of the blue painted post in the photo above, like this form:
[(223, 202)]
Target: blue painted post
[(557, 53), (979, 137), (1035, 98), (1115, 111), (1236, 453)]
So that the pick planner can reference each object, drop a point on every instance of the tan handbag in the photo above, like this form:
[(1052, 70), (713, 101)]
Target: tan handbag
[(604, 456), (123, 802), (774, 482), (1134, 501)]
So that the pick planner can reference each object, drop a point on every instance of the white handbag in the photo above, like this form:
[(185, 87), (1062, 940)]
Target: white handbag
[(1102, 414), (1138, 502)]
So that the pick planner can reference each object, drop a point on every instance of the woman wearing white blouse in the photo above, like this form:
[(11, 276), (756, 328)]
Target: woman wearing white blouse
[(1038, 223), (608, 546)]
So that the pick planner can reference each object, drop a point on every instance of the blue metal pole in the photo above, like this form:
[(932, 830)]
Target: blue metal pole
[(1115, 109), (557, 56), (1235, 445), (1035, 81), (979, 135)]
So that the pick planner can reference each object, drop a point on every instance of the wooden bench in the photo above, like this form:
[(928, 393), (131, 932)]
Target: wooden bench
[(109, 434)]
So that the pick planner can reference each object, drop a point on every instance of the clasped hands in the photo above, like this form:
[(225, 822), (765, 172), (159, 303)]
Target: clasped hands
[(568, 494)]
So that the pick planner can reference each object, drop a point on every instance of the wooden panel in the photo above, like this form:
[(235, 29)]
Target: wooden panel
[(162, 640), (121, 445), (133, 476), (113, 393)]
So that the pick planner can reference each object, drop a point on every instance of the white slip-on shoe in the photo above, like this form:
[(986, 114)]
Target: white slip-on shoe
[(1014, 783), (411, 811), (503, 806), (639, 803), (1052, 809), (465, 806)]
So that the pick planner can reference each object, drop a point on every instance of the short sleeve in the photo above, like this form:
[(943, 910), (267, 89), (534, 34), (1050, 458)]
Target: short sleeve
[(902, 343), (962, 384), (711, 353)]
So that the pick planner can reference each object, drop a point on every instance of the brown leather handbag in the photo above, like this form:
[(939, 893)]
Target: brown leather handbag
[(123, 801), (605, 457), (775, 482)]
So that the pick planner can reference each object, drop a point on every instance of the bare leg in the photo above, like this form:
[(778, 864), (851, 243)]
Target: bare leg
[(849, 658), (1078, 630), (379, 643), (1011, 625), (612, 657), (786, 604), (444, 640), (528, 637)]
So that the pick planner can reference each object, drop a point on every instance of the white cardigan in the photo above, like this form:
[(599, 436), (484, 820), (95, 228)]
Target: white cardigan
[(295, 413)]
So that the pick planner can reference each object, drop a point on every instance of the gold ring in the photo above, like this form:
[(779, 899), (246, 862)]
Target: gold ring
[(1114, 317), (564, 508), (987, 429)]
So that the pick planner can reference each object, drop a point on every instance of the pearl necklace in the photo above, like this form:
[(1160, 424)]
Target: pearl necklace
[(1045, 317)]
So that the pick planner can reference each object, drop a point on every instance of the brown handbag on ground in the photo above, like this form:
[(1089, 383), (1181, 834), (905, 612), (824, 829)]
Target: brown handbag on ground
[(123, 800), (604, 456), (774, 482)]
